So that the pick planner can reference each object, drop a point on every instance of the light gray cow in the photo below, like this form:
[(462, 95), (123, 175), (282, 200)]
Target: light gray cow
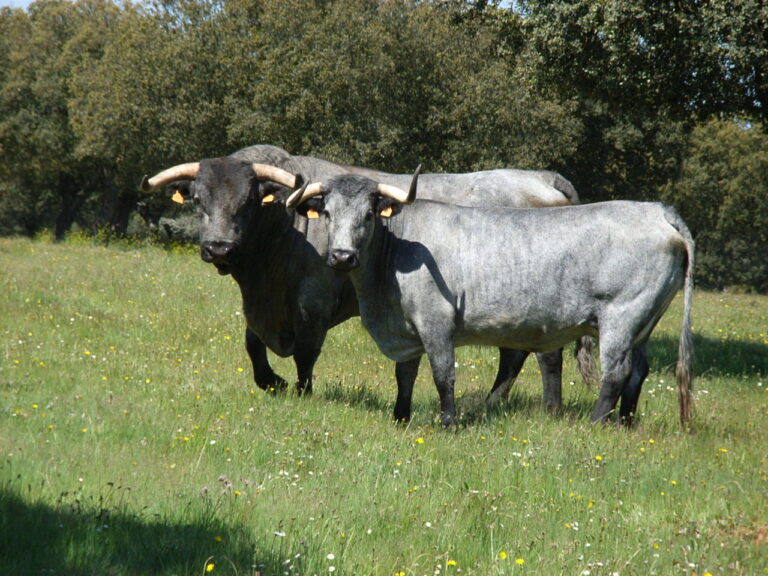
[(277, 257), (513, 278)]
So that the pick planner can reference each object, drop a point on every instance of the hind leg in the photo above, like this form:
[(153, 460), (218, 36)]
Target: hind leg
[(631, 393), (510, 364), (551, 364), (616, 361)]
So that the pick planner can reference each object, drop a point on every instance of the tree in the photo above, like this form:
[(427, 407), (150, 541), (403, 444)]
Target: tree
[(44, 183), (741, 30), (643, 73), (394, 84), (721, 195)]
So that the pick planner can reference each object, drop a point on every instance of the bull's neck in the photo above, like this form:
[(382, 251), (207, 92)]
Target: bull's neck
[(272, 239), (376, 270)]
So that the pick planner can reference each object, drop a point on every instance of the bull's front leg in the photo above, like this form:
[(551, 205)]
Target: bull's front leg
[(405, 374), (263, 375), (443, 363), (305, 359), (310, 336)]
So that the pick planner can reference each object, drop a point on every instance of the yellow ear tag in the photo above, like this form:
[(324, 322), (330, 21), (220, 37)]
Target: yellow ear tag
[(387, 212), (177, 197), (268, 199), (312, 214)]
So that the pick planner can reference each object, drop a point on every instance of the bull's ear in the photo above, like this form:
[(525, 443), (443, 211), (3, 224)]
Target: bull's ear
[(387, 207), (274, 193), (312, 208), (179, 191)]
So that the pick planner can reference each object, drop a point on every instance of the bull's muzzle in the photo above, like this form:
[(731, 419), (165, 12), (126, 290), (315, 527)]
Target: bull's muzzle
[(220, 254), (343, 260)]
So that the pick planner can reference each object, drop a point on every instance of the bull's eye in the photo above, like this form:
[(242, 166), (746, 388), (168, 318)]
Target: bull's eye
[(369, 216)]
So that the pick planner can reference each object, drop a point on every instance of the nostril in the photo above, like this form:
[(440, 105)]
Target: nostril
[(216, 251), (343, 259)]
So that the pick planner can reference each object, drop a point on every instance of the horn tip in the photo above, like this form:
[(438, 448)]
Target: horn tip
[(293, 200)]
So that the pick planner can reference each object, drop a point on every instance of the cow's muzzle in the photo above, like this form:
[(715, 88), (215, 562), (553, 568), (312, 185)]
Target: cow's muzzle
[(220, 254), (343, 260)]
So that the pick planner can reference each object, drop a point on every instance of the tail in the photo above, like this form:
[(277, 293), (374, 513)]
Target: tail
[(684, 370), (585, 360), (564, 185)]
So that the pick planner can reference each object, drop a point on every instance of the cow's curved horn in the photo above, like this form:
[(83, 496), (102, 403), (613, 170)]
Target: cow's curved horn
[(304, 193), (398, 193), (186, 171), (268, 172)]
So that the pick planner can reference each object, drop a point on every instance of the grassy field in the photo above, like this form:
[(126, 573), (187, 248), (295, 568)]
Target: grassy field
[(133, 442)]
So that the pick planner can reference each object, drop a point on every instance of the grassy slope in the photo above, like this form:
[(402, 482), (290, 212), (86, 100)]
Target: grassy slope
[(132, 441)]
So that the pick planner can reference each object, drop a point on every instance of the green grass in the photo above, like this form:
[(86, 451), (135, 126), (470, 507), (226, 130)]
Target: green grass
[(133, 441)]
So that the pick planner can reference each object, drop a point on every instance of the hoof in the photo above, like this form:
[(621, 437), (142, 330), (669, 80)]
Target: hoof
[(555, 410)]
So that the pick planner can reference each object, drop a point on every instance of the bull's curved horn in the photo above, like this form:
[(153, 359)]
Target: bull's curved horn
[(304, 193), (392, 192), (268, 172), (186, 171), (398, 193)]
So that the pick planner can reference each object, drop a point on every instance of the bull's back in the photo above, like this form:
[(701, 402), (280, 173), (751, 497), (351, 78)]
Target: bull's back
[(535, 278)]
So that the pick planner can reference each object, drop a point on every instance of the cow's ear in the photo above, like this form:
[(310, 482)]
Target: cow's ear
[(179, 191), (274, 193), (312, 208), (387, 207)]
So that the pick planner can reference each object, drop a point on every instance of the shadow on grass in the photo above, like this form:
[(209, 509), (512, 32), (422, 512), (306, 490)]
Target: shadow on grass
[(36, 538), (471, 405), (474, 409), (364, 396), (711, 356)]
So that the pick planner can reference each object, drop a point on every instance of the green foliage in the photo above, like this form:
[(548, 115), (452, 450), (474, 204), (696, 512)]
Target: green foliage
[(721, 195), (395, 84), (643, 73), (46, 185), (132, 442)]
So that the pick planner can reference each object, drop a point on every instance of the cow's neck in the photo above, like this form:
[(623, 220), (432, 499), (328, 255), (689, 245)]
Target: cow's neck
[(376, 272), (271, 241)]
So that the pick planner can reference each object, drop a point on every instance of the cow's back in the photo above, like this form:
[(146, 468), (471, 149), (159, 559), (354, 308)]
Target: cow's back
[(541, 275)]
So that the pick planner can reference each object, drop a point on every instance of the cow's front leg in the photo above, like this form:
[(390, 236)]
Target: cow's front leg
[(510, 364), (551, 364), (263, 375), (305, 359), (309, 341), (405, 374), (443, 363)]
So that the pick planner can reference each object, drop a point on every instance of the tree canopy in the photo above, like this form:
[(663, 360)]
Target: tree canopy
[(626, 98)]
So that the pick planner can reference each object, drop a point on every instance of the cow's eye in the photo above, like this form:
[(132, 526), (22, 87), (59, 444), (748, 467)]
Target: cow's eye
[(369, 216)]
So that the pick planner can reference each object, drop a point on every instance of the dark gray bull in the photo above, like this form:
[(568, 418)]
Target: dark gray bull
[(513, 278), (277, 257)]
